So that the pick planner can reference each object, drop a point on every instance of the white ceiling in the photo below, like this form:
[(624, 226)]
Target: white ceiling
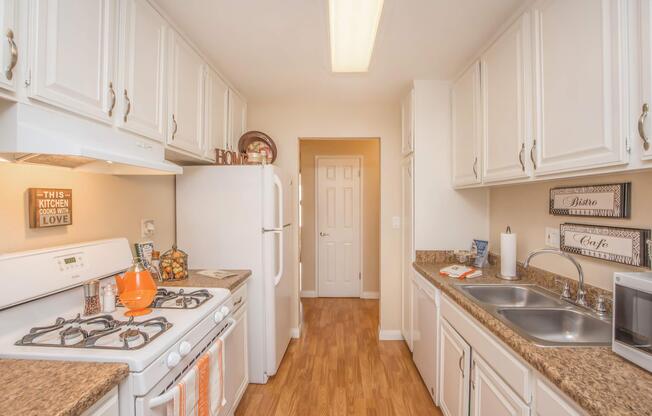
[(278, 50)]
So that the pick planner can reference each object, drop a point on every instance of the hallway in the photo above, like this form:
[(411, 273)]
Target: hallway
[(339, 367)]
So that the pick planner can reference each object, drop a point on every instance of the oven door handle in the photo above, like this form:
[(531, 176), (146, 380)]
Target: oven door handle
[(230, 328), (163, 398)]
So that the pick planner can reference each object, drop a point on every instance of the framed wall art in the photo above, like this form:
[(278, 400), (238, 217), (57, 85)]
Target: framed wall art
[(49, 207), (616, 244), (611, 200)]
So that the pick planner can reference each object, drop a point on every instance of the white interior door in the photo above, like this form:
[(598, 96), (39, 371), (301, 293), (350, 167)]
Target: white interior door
[(338, 226)]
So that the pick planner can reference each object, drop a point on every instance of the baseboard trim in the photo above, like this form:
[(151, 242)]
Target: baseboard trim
[(390, 335), (370, 295), (308, 293), (295, 333)]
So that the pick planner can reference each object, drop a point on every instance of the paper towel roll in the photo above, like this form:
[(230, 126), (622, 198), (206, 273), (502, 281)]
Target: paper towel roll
[(508, 254)]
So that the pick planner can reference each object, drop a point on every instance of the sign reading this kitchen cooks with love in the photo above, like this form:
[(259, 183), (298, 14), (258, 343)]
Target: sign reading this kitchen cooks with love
[(49, 207), (617, 244)]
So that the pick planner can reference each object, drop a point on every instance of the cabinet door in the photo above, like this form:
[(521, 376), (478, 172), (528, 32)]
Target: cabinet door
[(8, 45), (237, 119), (187, 72), (505, 99), (644, 139), (580, 85), (217, 94), (407, 122), (425, 345), (407, 256), (548, 403), (454, 369), (490, 396), (106, 406), (72, 58), (466, 128), (141, 105), (236, 368)]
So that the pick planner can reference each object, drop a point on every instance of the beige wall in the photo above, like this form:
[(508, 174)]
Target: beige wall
[(525, 209), (370, 152), (104, 206), (287, 122)]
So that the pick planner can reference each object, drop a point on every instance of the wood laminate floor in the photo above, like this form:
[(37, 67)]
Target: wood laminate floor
[(338, 367)]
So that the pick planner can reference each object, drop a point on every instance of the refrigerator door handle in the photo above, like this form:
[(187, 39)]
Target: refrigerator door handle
[(272, 230), (279, 186)]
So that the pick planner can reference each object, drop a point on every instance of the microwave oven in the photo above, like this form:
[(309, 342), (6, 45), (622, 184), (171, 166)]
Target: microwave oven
[(632, 318)]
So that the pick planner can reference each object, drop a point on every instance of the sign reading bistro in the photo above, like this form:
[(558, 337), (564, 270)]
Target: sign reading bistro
[(49, 207)]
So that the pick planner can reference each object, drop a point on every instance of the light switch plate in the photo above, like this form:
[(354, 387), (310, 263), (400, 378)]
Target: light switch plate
[(552, 237), (396, 222)]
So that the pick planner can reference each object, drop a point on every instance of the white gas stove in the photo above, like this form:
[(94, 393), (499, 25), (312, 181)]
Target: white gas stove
[(40, 318)]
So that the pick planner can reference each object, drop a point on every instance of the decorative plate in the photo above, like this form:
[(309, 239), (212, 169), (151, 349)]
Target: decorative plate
[(258, 142)]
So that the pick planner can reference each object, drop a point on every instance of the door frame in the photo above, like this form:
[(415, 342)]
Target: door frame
[(360, 159)]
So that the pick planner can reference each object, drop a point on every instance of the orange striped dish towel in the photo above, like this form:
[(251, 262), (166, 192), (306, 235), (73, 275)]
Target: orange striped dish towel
[(186, 395), (203, 397)]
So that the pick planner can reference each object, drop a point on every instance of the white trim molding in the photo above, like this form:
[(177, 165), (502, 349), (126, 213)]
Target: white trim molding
[(308, 293), (390, 335), (295, 333), (370, 295)]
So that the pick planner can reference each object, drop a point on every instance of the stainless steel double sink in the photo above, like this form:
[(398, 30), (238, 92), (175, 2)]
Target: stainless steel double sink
[(539, 315)]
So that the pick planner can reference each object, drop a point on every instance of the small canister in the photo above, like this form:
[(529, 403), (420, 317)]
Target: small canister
[(174, 264), (92, 304)]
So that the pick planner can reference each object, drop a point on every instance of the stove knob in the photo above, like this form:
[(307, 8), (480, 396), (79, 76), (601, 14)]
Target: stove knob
[(225, 310), (218, 317), (184, 348), (173, 360)]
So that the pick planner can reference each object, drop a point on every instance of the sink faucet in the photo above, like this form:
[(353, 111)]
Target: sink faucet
[(581, 293)]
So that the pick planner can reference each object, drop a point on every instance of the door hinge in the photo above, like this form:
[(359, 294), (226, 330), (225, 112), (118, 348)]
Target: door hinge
[(28, 78), (359, 275), (359, 173)]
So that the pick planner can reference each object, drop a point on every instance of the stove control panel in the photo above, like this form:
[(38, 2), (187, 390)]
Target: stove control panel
[(71, 262)]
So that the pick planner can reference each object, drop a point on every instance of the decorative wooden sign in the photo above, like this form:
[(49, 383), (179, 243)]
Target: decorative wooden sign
[(228, 157), (617, 244), (49, 207), (612, 200)]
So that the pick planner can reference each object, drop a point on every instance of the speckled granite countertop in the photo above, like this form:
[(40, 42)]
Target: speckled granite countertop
[(55, 388), (601, 382), (197, 280)]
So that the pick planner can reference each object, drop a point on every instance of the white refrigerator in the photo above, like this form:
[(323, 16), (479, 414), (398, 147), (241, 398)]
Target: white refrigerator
[(239, 217)]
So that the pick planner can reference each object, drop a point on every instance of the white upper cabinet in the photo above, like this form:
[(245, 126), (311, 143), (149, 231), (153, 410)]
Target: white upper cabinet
[(237, 119), (505, 98), (407, 123), (185, 97), (580, 85), (217, 96), (141, 94), (9, 51), (644, 139), (467, 143), (454, 369), (72, 48)]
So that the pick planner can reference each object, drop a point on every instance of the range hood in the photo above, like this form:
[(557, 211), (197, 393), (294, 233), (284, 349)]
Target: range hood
[(39, 135)]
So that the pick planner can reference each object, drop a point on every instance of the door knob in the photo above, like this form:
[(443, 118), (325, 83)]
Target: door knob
[(324, 234)]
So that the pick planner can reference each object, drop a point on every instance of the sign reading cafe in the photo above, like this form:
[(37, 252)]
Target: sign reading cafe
[(49, 207)]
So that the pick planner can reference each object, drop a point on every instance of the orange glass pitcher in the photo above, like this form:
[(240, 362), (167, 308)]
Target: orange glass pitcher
[(136, 289)]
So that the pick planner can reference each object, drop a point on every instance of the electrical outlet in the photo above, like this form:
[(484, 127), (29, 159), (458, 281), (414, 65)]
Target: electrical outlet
[(552, 237), (147, 228)]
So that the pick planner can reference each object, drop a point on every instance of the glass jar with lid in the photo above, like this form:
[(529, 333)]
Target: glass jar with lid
[(174, 264)]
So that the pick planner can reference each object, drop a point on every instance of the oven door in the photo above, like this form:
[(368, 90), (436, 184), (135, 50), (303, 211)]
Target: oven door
[(633, 318), (155, 402)]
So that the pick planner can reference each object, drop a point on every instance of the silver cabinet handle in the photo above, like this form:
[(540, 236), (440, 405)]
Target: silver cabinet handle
[(460, 362), (174, 123), (475, 167), (112, 92), (641, 126), (9, 71), (128, 110), (520, 157), (534, 162), (323, 234)]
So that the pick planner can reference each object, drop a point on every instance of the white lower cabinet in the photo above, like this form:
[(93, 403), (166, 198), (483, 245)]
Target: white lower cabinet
[(106, 406), (547, 402), (425, 326), (454, 369), (490, 396), (236, 368)]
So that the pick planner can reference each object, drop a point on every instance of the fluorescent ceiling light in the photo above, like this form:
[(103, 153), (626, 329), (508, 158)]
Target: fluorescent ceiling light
[(353, 27)]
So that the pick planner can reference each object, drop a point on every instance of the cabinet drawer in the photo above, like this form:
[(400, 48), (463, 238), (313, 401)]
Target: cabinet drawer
[(514, 372), (240, 296), (106, 406), (548, 402)]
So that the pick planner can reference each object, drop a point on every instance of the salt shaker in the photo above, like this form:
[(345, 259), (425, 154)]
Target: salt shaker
[(108, 299), (92, 297)]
